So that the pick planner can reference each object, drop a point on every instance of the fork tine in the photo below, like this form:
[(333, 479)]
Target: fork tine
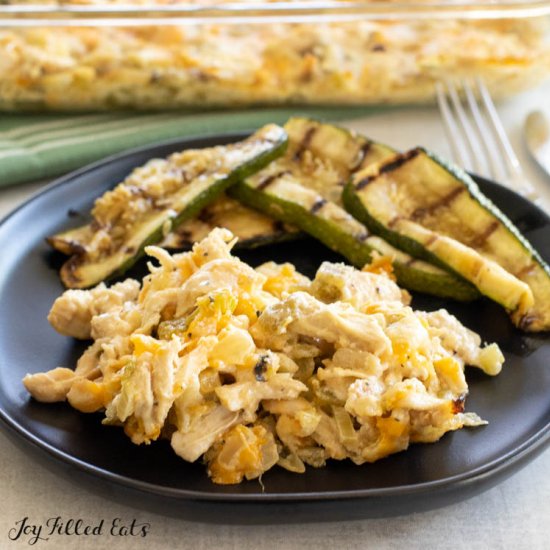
[(494, 167), (514, 172), (459, 153), (486, 139), (500, 134), (466, 128)]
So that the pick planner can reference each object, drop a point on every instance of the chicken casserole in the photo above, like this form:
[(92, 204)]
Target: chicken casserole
[(249, 368), (359, 62)]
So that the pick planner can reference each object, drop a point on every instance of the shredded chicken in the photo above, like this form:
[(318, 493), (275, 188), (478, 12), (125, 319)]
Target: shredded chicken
[(72, 312), (340, 282), (249, 368)]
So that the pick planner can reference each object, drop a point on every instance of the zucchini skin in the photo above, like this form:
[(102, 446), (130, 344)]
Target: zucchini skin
[(525, 293), (80, 272)]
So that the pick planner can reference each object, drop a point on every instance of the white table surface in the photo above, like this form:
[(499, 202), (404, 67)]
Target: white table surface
[(515, 514)]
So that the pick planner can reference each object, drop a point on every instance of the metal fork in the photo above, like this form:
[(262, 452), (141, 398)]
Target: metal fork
[(477, 137)]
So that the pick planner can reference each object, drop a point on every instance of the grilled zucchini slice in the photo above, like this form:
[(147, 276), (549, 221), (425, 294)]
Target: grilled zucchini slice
[(252, 229), (312, 142), (155, 198), (304, 187), (435, 211)]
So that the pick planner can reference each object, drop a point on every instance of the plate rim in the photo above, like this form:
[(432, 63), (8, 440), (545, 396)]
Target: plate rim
[(530, 448)]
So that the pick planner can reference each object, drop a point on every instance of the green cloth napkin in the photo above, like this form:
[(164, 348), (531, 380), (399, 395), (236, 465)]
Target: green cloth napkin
[(34, 147)]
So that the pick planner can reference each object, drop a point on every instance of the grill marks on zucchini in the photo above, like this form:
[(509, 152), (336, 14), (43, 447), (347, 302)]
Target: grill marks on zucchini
[(305, 190), (154, 199), (479, 242), (266, 182), (305, 142), (422, 212), (317, 205), (363, 155), (388, 165), (436, 212)]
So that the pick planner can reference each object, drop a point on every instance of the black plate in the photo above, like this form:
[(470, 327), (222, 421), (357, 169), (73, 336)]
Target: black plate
[(516, 403)]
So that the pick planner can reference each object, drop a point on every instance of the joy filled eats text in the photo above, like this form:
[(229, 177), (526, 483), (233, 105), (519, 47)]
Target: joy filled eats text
[(32, 532)]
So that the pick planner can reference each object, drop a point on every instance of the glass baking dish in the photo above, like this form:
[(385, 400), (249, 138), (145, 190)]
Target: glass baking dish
[(162, 54)]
